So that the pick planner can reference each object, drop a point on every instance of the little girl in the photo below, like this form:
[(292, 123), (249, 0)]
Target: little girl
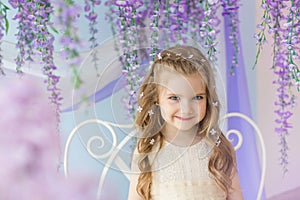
[(181, 152)]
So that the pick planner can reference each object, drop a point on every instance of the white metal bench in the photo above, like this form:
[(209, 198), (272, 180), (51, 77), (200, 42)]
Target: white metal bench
[(112, 154)]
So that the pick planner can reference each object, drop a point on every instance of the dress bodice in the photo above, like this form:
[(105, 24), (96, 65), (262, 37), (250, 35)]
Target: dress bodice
[(182, 173)]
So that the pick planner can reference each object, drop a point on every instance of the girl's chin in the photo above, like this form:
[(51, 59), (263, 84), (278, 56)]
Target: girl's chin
[(187, 128)]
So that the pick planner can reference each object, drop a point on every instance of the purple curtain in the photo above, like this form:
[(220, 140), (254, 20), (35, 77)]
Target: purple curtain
[(238, 101)]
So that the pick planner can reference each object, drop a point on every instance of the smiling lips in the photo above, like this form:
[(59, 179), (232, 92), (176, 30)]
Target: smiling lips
[(184, 118)]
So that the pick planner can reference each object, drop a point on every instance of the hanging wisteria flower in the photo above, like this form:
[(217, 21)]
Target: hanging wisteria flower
[(89, 8), (44, 44), (285, 30), (292, 41), (164, 23), (25, 34), (230, 8), (203, 25), (110, 16), (154, 17), (283, 107), (208, 29), (3, 29), (33, 36), (178, 20), (127, 24), (67, 14)]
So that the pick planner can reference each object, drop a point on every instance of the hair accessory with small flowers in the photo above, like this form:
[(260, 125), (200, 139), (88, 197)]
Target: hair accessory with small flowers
[(150, 112), (152, 141), (218, 141), (212, 131), (139, 109), (178, 54), (215, 104), (159, 56), (142, 94), (190, 56)]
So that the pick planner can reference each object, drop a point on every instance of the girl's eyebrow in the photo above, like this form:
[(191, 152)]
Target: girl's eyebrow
[(201, 93), (174, 94)]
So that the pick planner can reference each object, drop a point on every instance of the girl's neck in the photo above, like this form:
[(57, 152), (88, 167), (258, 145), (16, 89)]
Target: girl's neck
[(181, 138)]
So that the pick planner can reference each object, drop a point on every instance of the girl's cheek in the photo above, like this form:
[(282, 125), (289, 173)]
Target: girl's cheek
[(172, 102)]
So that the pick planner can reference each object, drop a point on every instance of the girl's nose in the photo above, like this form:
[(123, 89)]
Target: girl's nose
[(186, 107)]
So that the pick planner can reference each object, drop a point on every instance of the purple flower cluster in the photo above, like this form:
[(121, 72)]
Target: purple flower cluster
[(285, 30), (66, 17), (178, 18), (110, 16), (198, 19), (169, 22), (126, 20), (154, 17), (25, 35), (30, 147), (292, 40), (283, 105), (3, 28), (34, 38), (44, 44), (208, 28), (231, 9), (89, 8)]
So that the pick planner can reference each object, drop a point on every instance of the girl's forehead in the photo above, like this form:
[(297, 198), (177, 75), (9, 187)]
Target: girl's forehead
[(174, 82)]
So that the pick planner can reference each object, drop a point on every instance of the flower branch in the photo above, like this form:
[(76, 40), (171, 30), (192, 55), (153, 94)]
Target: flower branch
[(231, 9), (284, 29), (44, 45), (128, 41), (67, 14), (91, 15), (24, 34), (208, 28), (154, 17), (3, 29)]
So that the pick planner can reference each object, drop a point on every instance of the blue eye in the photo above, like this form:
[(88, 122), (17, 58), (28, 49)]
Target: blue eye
[(175, 98), (198, 98)]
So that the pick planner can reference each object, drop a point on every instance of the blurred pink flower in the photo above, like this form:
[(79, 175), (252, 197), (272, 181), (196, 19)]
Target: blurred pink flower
[(30, 147)]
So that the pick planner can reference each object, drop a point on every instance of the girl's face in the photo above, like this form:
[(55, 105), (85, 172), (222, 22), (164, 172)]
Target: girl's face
[(182, 101)]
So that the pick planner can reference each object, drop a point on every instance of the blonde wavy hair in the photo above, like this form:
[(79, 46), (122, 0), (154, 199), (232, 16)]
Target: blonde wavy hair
[(185, 60)]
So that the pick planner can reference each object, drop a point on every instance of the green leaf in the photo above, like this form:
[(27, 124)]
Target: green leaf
[(69, 2), (5, 8), (54, 29), (6, 25)]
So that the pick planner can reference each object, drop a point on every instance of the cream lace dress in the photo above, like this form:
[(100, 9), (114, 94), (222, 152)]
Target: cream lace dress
[(181, 173)]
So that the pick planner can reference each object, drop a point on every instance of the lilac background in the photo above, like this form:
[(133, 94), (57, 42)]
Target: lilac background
[(241, 97)]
